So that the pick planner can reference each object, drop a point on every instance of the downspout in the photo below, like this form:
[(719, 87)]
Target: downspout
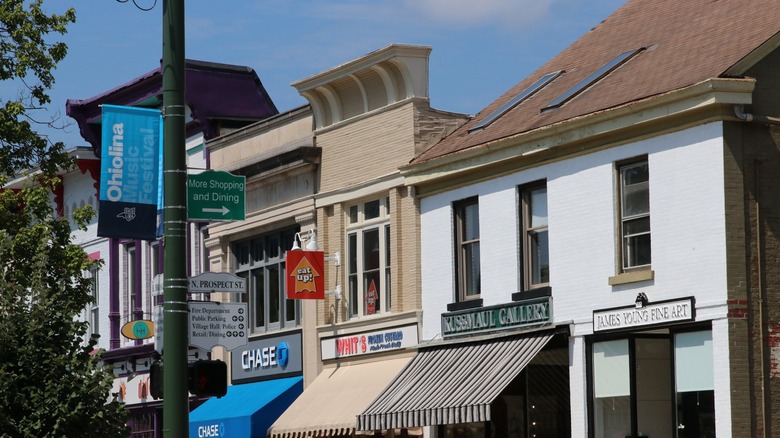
[(766, 410), (739, 112)]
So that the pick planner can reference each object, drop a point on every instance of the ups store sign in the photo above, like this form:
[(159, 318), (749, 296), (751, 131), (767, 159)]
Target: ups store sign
[(267, 358), (521, 314)]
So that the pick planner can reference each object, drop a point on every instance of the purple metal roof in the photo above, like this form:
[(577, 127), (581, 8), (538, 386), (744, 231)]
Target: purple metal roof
[(213, 92)]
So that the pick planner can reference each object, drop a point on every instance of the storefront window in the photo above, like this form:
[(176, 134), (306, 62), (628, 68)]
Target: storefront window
[(611, 389), (651, 385), (694, 384)]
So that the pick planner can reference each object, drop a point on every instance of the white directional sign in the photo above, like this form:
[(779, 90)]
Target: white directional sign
[(214, 324), (217, 282)]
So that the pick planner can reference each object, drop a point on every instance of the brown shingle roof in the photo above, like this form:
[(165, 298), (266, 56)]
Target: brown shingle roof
[(685, 41)]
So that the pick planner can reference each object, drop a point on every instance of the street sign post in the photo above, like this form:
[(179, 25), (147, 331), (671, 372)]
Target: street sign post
[(218, 196), (213, 324)]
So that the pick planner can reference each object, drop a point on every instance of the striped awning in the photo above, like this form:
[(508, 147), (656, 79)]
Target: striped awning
[(329, 405), (452, 383)]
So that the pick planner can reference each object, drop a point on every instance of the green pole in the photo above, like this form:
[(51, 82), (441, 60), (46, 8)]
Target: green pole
[(175, 309)]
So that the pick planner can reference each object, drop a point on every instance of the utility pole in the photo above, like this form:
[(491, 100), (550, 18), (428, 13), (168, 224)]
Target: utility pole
[(175, 308)]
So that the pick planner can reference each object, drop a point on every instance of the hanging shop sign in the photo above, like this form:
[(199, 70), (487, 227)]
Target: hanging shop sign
[(130, 172), (268, 357), (304, 272), (662, 312), (521, 314), (139, 329), (358, 344)]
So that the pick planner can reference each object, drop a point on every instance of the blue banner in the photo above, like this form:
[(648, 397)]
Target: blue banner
[(130, 172)]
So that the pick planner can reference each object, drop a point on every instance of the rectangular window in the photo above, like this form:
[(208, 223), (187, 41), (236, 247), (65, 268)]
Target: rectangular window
[(132, 292), (634, 215), (467, 259), (93, 308), (368, 257), (261, 262), (535, 246), (653, 385)]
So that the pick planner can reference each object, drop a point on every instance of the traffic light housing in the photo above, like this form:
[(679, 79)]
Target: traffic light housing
[(156, 380), (208, 377)]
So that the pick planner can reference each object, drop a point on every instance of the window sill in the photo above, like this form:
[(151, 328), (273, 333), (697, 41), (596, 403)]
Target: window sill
[(632, 277), (463, 305), (532, 293)]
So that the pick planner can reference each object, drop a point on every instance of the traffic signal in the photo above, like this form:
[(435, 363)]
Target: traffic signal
[(208, 377), (156, 380)]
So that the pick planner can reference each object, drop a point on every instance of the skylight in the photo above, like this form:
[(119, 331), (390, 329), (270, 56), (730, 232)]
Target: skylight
[(590, 80), (523, 95)]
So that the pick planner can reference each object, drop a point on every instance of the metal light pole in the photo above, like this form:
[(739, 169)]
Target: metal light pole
[(175, 308)]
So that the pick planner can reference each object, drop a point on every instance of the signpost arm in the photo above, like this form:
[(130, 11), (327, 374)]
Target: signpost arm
[(175, 311)]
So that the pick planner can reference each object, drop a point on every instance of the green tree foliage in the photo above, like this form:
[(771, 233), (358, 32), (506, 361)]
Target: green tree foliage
[(51, 382)]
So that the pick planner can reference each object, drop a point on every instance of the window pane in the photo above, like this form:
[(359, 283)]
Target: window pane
[(259, 297), (387, 266), (653, 370), (637, 250), (472, 274), (371, 250), (353, 214), (272, 246), (611, 389), (693, 370), (352, 272), (635, 190), (274, 292), (371, 210), (540, 258), (538, 208), (371, 296), (470, 221)]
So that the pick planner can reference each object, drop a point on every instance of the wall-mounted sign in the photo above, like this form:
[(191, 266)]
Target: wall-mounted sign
[(358, 344), (663, 312), (139, 329), (217, 282), (530, 313), (269, 357), (214, 324), (304, 272)]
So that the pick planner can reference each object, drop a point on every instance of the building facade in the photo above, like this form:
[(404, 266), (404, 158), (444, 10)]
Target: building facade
[(608, 226), (124, 285), (371, 115)]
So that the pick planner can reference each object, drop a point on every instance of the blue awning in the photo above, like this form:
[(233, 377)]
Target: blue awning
[(246, 410)]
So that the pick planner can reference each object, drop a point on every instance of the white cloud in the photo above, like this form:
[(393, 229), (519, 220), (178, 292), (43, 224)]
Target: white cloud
[(505, 13)]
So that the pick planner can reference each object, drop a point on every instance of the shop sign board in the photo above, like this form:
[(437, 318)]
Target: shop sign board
[(213, 323), (304, 273), (662, 312), (216, 195), (267, 357), (520, 314), (217, 282), (394, 338), (138, 329)]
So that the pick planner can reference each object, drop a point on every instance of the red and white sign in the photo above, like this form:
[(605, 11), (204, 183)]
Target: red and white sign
[(358, 344), (371, 297), (304, 272)]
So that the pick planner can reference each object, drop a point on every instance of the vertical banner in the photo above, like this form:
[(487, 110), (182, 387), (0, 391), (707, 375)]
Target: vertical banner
[(130, 172)]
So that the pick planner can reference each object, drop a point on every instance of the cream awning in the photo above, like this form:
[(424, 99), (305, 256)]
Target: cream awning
[(330, 405), (452, 383)]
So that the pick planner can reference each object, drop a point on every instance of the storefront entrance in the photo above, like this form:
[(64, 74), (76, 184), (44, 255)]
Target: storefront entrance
[(652, 385), (534, 404)]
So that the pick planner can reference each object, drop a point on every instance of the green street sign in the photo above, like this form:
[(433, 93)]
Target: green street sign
[(216, 196)]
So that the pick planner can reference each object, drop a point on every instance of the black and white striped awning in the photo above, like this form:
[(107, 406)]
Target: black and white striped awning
[(452, 383)]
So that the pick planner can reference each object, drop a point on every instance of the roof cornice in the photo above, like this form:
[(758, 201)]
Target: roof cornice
[(698, 103)]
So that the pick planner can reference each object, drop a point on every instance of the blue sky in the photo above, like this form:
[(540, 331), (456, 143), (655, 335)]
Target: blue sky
[(481, 48)]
